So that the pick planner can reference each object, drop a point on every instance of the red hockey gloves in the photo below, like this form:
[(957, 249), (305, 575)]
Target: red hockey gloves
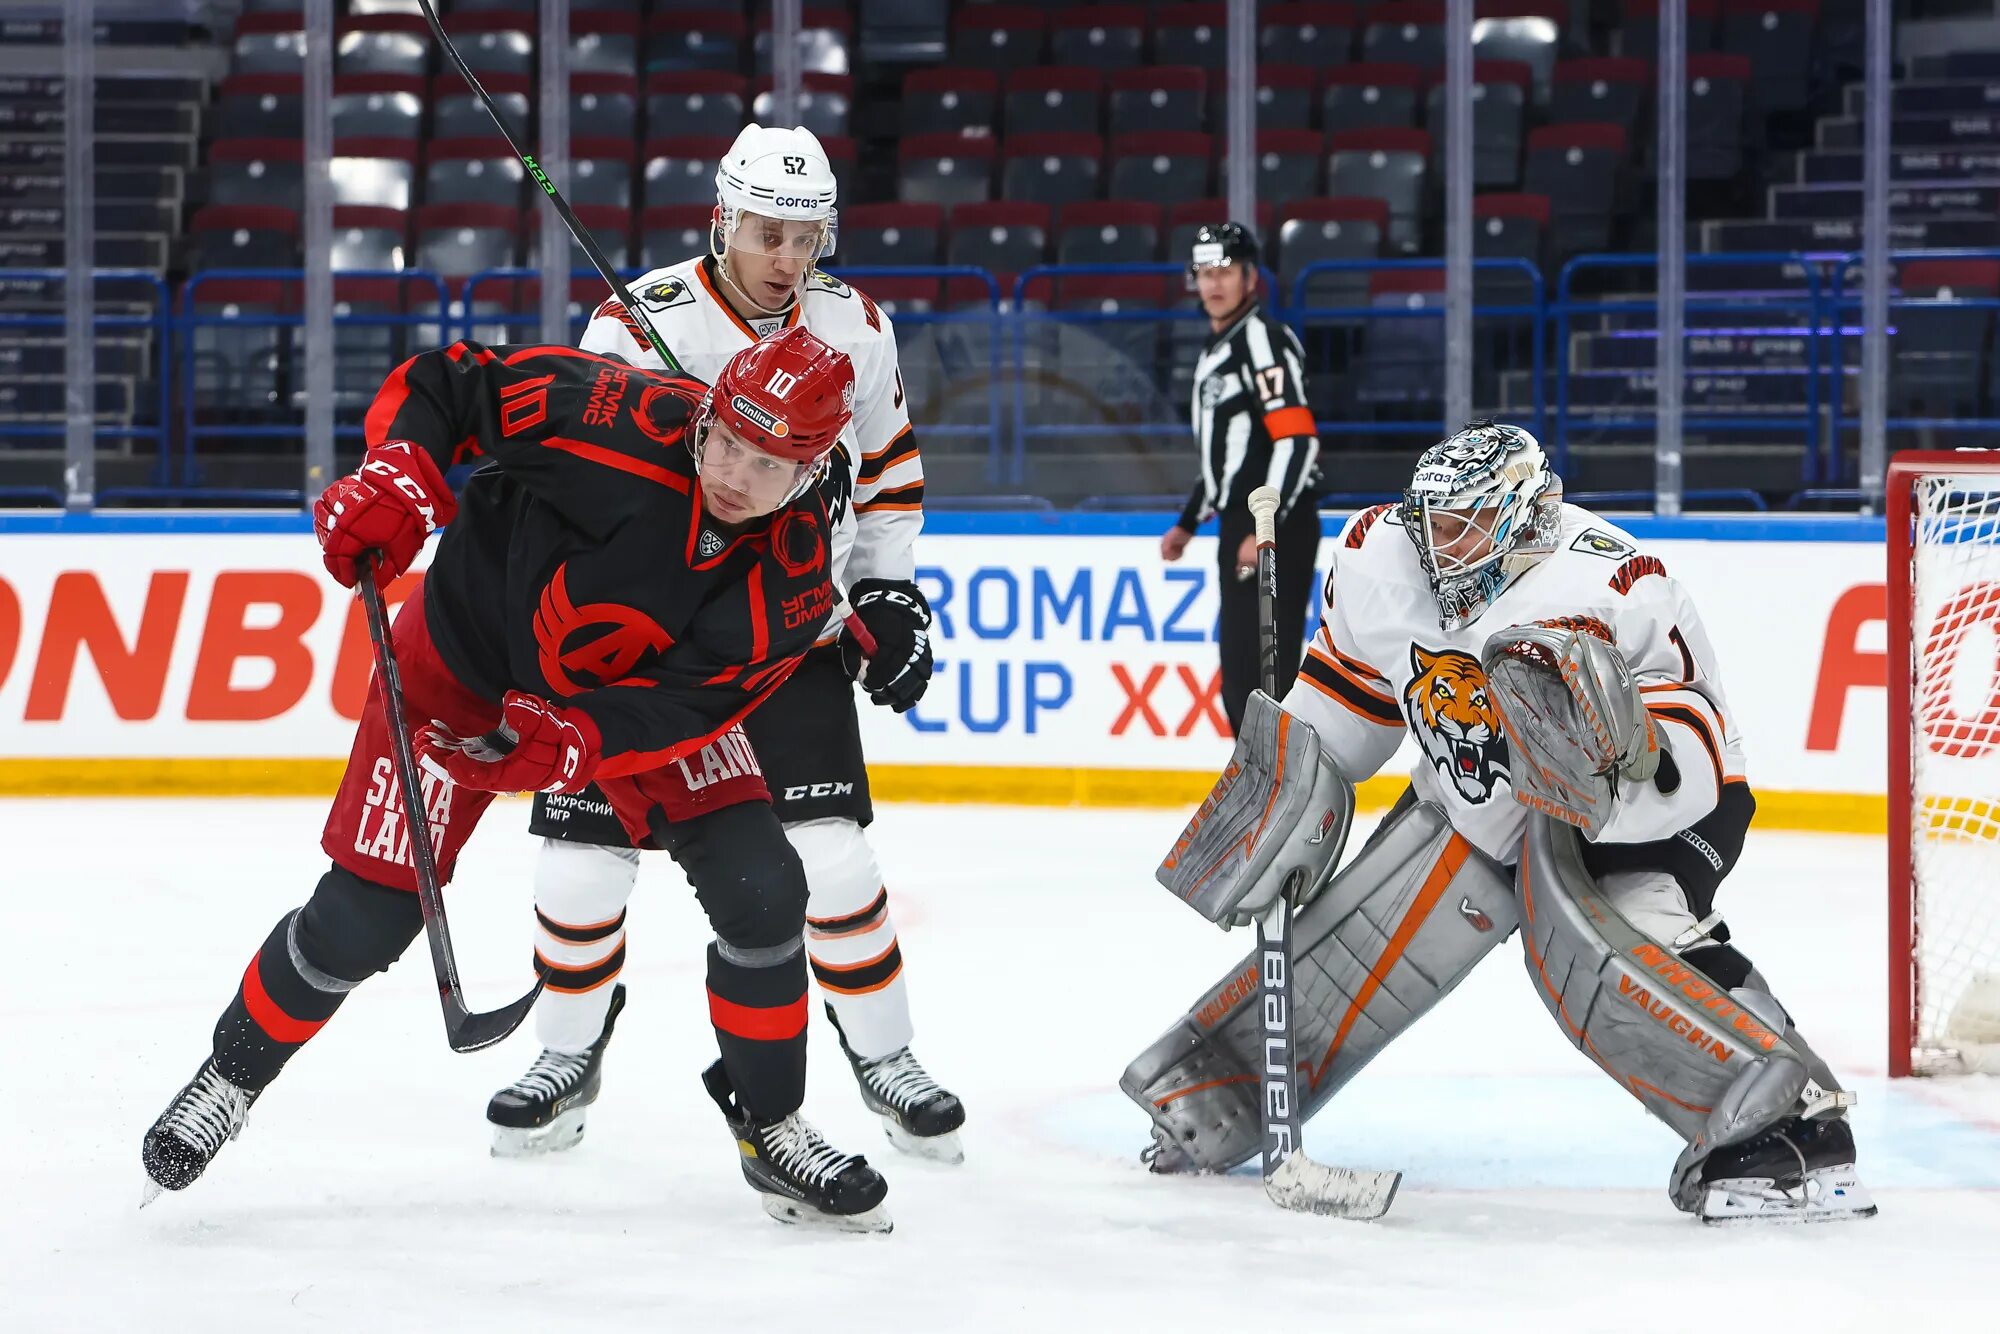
[(538, 747), (390, 504), (899, 670)]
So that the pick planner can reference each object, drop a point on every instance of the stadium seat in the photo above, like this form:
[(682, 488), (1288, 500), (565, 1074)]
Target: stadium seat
[(1639, 34), (1109, 231), (457, 112), (695, 101), (944, 169), (944, 101), (244, 236), (1315, 231), (1610, 89), (381, 172), (890, 235), (1499, 111), (824, 38), (600, 171), (1404, 32), (1158, 97), (495, 42), (603, 42), (455, 241), (700, 39), (1386, 164), (1718, 119), (1508, 226), (473, 171), (1285, 96), (901, 33), (1288, 165), (998, 37), (1052, 169), (1102, 37), (268, 44), (680, 168), (1366, 97), (1777, 36), (383, 106), (1004, 238), (1400, 359), (369, 237), (252, 106), (235, 363), (826, 102), (1314, 36), (384, 44), (610, 227), (256, 171), (1191, 34), (1936, 354), (1580, 169), (1056, 99), (604, 105), (1163, 166), (1529, 31), (670, 233)]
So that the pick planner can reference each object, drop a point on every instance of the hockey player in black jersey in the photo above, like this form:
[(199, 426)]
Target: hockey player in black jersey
[(1252, 428), (637, 564)]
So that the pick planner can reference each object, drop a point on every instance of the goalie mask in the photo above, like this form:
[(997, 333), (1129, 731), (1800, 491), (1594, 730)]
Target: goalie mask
[(762, 433), (1482, 508), (774, 215)]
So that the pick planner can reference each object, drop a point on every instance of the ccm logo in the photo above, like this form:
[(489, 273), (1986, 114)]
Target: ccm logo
[(804, 790)]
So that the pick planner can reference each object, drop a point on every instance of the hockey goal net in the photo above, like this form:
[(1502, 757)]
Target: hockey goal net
[(1944, 762)]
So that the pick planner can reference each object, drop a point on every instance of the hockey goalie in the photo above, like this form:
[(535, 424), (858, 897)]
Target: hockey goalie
[(1581, 780)]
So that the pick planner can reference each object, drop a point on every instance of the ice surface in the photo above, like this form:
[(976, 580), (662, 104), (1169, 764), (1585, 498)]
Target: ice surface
[(1041, 958)]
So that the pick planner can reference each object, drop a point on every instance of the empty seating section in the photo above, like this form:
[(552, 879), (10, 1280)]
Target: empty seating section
[(1079, 144)]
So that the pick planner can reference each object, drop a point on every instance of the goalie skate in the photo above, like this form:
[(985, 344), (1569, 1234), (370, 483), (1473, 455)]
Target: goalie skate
[(543, 1111), (798, 1175), (205, 1114), (1800, 1173), (919, 1115)]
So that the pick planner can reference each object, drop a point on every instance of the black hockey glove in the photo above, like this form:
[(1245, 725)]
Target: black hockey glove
[(899, 670)]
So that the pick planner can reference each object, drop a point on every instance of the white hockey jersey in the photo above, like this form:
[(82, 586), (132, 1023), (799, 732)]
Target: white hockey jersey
[(1379, 666), (874, 536)]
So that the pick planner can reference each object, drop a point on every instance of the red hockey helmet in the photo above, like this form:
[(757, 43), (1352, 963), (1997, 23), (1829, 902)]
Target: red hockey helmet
[(790, 395)]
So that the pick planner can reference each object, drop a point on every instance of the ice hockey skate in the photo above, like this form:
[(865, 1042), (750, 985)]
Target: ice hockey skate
[(543, 1111), (178, 1148), (919, 1115), (800, 1177), (1801, 1172)]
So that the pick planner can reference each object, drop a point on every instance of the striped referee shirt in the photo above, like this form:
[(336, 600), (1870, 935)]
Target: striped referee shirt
[(1251, 423)]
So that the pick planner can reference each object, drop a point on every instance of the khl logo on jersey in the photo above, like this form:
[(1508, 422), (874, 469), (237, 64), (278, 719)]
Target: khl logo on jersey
[(1454, 720), (710, 544)]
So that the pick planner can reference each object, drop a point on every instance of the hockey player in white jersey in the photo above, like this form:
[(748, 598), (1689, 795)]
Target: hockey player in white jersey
[(1580, 775), (774, 221)]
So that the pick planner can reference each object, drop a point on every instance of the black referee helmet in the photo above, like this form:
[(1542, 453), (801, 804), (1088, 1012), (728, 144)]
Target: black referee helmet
[(1217, 244)]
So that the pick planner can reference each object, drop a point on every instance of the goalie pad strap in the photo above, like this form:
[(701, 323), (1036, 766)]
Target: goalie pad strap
[(1393, 933), (1278, 813), (1718, 1066)]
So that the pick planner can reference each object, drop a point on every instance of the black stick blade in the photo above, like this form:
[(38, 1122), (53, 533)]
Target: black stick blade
[(467, 1031)]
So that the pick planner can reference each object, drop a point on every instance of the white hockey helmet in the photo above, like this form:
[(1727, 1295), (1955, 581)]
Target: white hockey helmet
[(1482, 508), (784, 175)]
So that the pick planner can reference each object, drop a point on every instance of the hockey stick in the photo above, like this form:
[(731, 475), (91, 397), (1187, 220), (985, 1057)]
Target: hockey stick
[(465, 1030), (576, 228), (1292, 1180)]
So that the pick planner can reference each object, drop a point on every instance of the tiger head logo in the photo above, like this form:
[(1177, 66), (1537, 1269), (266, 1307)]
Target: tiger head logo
[(1452, 714)]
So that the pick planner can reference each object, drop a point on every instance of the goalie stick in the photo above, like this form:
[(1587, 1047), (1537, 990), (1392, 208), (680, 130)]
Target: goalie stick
[(1292, 1180)]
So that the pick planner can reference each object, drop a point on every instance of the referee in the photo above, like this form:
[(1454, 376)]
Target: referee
[(1251, 427)]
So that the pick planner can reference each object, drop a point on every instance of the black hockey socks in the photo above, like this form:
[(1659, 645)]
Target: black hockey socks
[(314, 956), (757, 1002)]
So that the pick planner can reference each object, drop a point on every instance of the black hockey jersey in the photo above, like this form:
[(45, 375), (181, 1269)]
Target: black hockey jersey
[(580, 566), (1251, 423)]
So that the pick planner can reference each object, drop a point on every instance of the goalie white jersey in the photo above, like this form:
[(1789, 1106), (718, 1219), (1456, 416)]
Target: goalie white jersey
[(874, 533), (1380, 666)]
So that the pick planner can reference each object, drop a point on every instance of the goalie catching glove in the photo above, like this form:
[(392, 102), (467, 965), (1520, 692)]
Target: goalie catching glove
[(899, 670), (389, 505), (538, 747), (1575, 724)]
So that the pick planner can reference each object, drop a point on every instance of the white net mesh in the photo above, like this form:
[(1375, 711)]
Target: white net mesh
[(1955, 769)]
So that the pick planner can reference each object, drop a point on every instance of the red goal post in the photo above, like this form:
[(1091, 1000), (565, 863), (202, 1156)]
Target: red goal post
[(1943, 612)]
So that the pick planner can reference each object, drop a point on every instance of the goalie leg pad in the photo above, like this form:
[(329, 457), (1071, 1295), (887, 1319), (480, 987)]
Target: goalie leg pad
[(1274, 823), (1392, 934), (1718, 1066)]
